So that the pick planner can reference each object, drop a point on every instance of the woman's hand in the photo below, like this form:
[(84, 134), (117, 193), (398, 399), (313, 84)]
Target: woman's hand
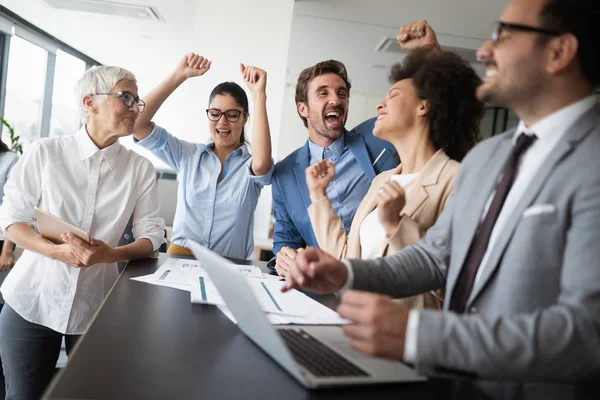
[(390, 202), (192, 65), (418, 35), (255, 78), (318, 176), (6, 260), (78, 253)]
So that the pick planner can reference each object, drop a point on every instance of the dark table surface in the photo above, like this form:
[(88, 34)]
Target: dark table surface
[(151, 342)]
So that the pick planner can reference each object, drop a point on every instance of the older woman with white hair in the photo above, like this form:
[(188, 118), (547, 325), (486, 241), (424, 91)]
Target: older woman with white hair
[(91, 181)]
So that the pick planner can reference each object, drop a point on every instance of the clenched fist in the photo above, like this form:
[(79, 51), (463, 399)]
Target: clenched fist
[(418, 35)]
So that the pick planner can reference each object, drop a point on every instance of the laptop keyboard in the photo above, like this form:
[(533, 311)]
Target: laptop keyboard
[(319, 359)]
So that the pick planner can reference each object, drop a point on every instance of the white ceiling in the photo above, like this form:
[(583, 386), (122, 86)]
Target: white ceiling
[(347, 30)]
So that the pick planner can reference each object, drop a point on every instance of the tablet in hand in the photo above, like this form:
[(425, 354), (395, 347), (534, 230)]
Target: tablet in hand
[(51, 227)]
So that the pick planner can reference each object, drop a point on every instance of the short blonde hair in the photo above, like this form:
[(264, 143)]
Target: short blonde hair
[(99, 79)]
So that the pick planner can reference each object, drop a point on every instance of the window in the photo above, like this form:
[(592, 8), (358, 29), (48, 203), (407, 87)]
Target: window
[(65, 116), (497, 120), (25, 89), (37, 79)]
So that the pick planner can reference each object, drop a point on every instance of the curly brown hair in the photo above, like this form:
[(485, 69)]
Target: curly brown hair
[(310, 73), (448, 84)]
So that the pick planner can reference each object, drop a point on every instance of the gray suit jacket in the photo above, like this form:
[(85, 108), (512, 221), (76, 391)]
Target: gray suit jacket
[(534, 315)]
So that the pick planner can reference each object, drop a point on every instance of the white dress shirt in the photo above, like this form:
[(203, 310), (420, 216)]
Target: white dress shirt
[(548, 131), (95, 190)]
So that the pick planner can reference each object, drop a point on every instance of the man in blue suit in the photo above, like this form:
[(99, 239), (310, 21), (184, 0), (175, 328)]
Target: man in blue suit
[(322, 98)]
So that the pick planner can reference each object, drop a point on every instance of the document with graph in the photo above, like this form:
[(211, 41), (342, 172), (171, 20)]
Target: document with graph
[(184, 274), (267, 292)]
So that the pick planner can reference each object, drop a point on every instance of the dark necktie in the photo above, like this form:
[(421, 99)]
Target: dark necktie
[(466, 278)]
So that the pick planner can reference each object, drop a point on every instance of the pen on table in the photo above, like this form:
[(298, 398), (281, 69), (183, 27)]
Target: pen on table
[(379, 156)]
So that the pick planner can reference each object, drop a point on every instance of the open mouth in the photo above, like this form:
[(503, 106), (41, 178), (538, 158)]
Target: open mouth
[(333, 118), (490, 73), (223, 132)]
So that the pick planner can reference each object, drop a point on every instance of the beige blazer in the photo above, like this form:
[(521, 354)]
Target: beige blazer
[(424, 203)]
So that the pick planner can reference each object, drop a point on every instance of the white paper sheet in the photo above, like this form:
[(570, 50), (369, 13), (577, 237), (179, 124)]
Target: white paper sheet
[(266, 291), (318, 314), (182, 274), (150, 279)]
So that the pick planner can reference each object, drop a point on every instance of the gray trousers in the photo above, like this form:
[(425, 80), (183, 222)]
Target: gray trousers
[(29, 353)]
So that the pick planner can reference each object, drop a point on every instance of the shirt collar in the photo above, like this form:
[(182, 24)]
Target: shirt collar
[(87, 148), (243, 149), (337, 148), (557, 123)]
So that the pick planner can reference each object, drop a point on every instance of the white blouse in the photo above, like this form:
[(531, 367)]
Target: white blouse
[(95, 190), (372, 235)]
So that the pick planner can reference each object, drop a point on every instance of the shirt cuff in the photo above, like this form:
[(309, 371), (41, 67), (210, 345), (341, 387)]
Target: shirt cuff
[(263, 180), (410, 340), (350, 279), (150, 141)]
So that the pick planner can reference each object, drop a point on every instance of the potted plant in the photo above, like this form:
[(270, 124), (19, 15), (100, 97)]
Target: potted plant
[(15, 145)]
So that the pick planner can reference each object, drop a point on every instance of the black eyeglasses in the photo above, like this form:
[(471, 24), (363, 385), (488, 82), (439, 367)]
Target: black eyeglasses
[(230, 115), (499, 26), (128, 99)]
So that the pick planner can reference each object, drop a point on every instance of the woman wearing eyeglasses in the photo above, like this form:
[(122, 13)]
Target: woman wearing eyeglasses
[(219, 183), (91, 181)]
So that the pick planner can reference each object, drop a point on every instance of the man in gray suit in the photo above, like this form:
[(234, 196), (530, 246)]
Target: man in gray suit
[(517, 247)]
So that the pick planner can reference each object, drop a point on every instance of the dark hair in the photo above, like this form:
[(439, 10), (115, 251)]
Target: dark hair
[(322, 68), (579, 17), (238, 94), (448, 84), (3, 147)]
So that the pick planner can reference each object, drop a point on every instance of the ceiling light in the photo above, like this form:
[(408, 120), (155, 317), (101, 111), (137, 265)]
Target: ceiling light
[(107, 8)]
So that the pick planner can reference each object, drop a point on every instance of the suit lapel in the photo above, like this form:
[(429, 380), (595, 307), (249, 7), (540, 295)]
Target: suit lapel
[(302, 162), (472, 200), (564, 147), (429, 176), (357, 146)]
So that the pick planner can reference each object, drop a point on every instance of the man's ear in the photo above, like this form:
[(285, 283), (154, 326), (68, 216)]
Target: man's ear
[(562, 53), (302, 109)]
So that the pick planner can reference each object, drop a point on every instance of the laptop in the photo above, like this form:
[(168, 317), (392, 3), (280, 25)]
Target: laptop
[(317, 356)]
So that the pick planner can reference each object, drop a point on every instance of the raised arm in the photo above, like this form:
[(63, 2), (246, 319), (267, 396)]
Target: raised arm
[(256, 80), (190, 65)]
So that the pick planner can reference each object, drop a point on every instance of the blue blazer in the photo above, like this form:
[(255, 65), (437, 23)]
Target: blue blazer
[(290, 193)]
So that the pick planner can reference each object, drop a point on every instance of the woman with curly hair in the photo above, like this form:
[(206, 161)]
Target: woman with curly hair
[(432, 117)]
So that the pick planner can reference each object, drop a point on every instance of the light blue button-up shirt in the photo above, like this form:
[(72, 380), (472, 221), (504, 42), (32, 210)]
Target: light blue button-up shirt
[(345, 192), (218, 215)]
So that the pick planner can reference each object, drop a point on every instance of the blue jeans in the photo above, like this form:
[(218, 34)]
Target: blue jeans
[(29, 353)]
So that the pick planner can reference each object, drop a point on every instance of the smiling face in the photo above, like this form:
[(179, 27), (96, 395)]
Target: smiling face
[(515, 62), (399, 112), (111, 115), (226, 134), (327, 108)]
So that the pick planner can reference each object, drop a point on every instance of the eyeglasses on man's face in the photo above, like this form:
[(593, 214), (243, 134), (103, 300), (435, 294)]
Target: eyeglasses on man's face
[(128, 99), (500, 26), (214, 114)]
